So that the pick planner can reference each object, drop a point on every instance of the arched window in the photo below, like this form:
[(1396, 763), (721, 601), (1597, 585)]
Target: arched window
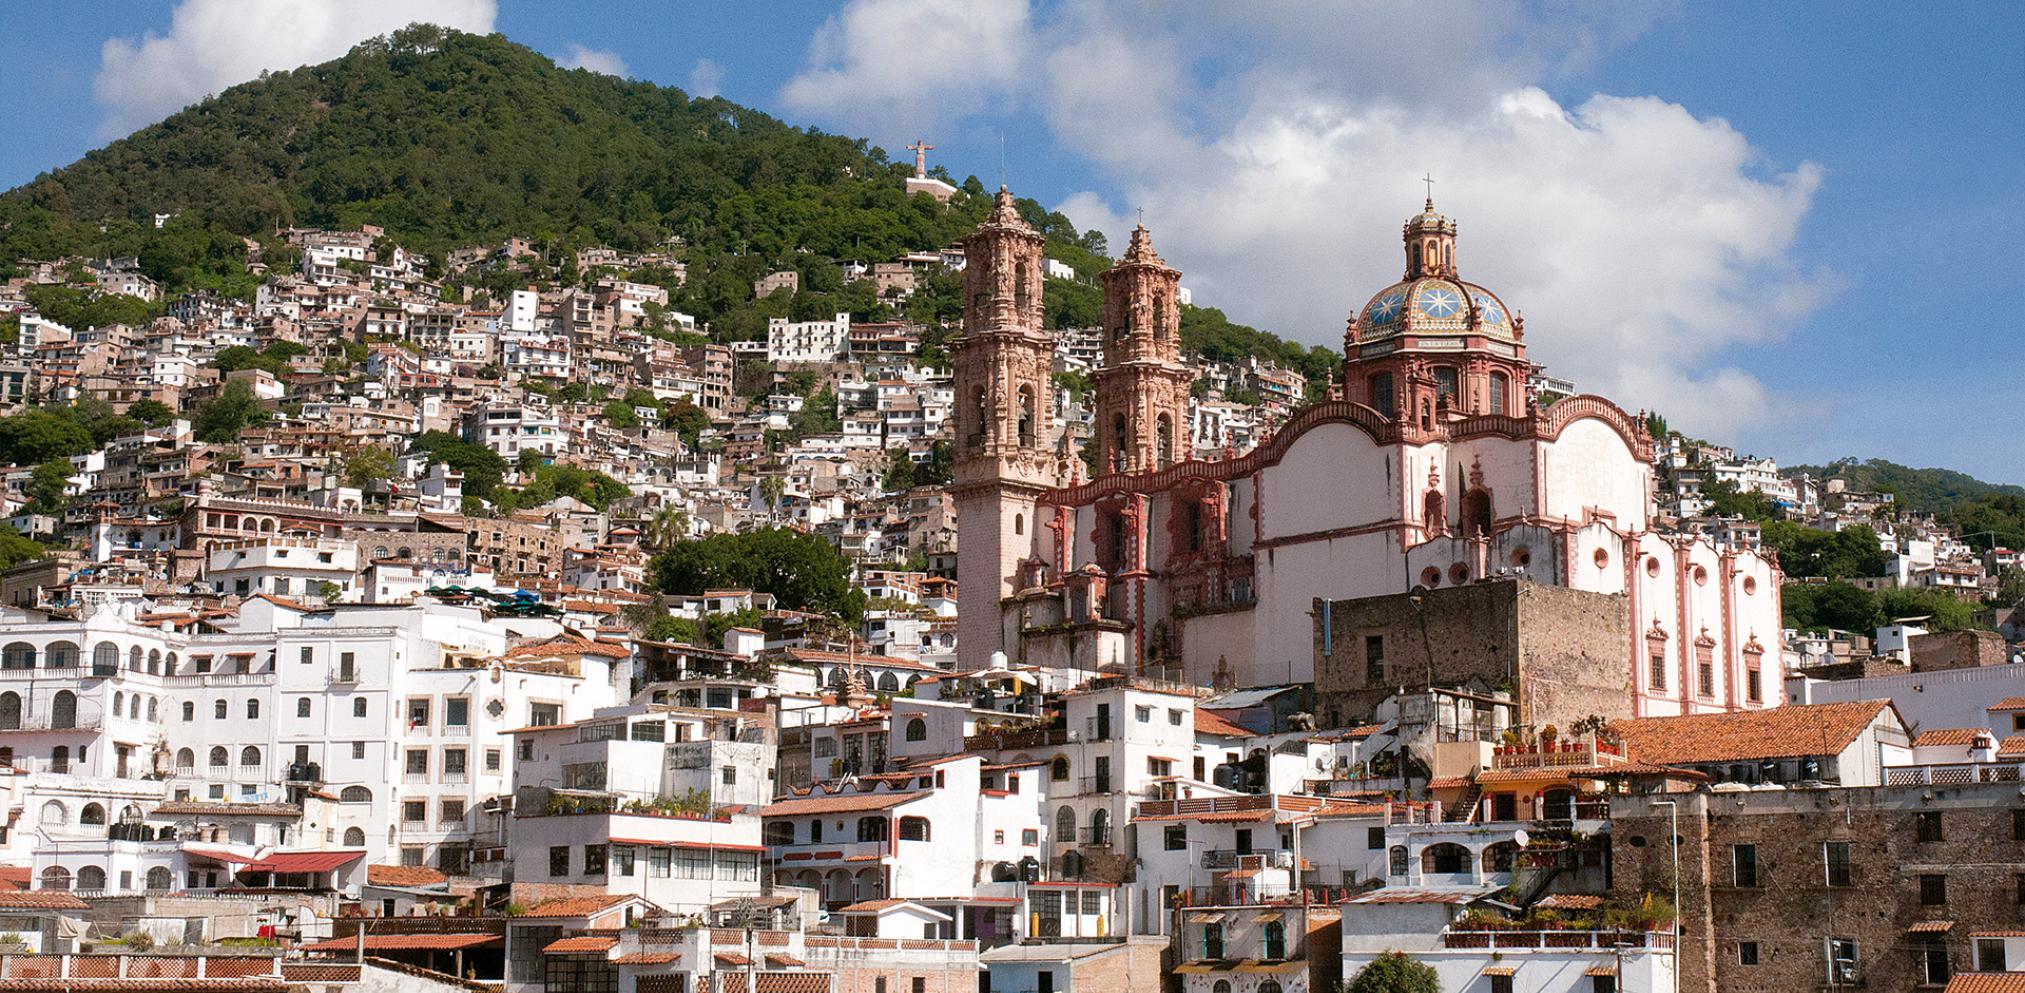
[(91, 879), (154, 662), (63, 710), (10, 710), (252, 710), (1413, 257), (1447, 383), (889, 683), (1501, 857), (61, 655), (105, 657), (1380, 387), (980, 417), (1027, 421), (1119, 444), (1019, 524), (91, 814), (1447, 858), (914, 829), (359, 707), (917, 729), (1163, 433), (1476, 513), (871, 829), (154, 710), (218, 709), (1058, 770), (1434, 513), (160, 879), (59, 758), (186, 760), (17, 655), (55, 877), (134, 659), (302, 706), (169, 665), (220, 758), (1396, 861), (1065, 825), (355, 837), (1023, 275), (249, 756), (1500, 385), (1100, 827), (1222, 986), (53, 815), (189, 711), (1269, 986), (355, 794), (119, 704)]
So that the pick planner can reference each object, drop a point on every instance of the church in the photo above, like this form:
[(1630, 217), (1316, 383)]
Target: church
[(1428, 466)]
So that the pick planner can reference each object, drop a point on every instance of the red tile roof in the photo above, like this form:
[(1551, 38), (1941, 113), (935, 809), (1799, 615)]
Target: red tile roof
[(776, 982), (305, 861), (647, 958), (1211, 722), (41, 900), (1987, 982), (583, 906), (565, 645), (1949, 736), (839, 803), (16, 877), (1782, 732), (2009, 703), (580, 944), (406, 942), (403, 875)]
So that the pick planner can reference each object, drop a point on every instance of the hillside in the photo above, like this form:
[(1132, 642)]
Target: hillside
[(1937, 491), (448, 139)]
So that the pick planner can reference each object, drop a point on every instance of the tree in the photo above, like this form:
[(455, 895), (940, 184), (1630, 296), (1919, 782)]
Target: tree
[(482, 467), (36, 436), (899, 473), (150, 412), (47, 485), (687, 420), (15, 549), (1394, 972), (2011, 586), (234, 409), (369, 465), (620, 414), (802, 571), (1727, 500), (668, 526)]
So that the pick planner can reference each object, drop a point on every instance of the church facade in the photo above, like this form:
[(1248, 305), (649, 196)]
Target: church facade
[(1428, 466)]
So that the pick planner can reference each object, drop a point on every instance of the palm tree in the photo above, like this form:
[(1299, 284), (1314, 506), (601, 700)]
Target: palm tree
[(668, 526)]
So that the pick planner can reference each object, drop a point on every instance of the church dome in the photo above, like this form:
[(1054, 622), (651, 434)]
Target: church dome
[(1434, 304)]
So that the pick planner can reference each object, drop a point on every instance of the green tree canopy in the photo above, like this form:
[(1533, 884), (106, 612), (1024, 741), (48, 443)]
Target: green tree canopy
[(232, 411), (802, 571), (150, 412), (1394, 972), (482, 467), (369, 465), (1846, 554)]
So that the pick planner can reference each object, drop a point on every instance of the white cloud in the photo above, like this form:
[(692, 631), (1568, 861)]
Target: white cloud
[(896, 69), (1276, 150), (707, 79), (595, 59), (215, 44)]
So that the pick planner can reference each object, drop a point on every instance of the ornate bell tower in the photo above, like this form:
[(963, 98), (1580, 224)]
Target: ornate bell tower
[(1142, 387), (1004, 456)]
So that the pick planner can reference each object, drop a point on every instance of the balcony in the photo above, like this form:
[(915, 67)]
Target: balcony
[(1220, 859), (342, 677), (1606, 940), (822, 852), (1096, 784), (1953, 774)]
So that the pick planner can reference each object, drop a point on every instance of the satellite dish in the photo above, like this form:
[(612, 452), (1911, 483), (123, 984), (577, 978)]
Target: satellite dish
[(1521, 838)]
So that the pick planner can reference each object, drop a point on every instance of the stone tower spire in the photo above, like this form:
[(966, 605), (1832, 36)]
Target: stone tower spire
[(1004, 444), (1142, 387)]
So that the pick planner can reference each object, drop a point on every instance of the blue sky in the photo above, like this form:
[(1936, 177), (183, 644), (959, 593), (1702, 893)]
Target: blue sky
[(1791, 227)]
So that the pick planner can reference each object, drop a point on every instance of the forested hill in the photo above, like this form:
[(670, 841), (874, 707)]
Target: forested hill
[(448, 139), (1936, 491)]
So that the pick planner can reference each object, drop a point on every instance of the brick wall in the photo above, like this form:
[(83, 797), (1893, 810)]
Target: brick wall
[(1957, 650), (1563, 650), (1792, 911)]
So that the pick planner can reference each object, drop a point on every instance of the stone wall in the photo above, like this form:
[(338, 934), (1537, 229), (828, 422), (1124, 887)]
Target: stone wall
[(1956, 650), (1562, 650), (1792, 912)]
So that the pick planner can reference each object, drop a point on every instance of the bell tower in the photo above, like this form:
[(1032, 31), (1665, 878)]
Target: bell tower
[(1142, 387), (1004, 456)]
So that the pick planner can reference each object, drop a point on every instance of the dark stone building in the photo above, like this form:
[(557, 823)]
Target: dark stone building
[(1560, 651)]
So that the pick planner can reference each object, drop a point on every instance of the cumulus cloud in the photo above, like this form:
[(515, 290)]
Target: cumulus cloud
[(1276, 149), (595, 59), (215, 44), (707, 79), (897, 68)]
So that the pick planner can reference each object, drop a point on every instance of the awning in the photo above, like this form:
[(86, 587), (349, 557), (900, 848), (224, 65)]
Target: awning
[(784, 962), (407, 942), (304, 861), (1931, 927), (725, 959), (219, 855), (1267, 917), (1194, 968), (1600, 970), (1501, 970), (580, 944), (1205, 918), (1270, 968)]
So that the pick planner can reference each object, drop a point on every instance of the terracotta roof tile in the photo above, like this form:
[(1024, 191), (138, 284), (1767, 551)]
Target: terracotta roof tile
[(1949, 736), (1211, 722), (41, 900), (1987, 982), (777, 982), (580, 944), (839, 803), (2012, 747), (405, 942), (583, 906), (1782, 732), (2009, 703), (647, 958)]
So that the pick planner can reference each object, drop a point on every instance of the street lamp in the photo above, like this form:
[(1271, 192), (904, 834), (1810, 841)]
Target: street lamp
[(1673, 840)]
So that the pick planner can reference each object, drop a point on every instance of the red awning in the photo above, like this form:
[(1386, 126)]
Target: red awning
[(219, 855), (303, 861)]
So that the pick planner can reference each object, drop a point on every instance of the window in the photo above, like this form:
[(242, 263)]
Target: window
[(1374, 838), (1058, 770), (359, 707), (1501, 984), (1835, 857), (1498, 387), (1374, 659), (249, 757), (302, 707), (1212, 941), (1931, 954), (1142, 714), (418, 761), (728, 775), (1656, 678), (1933, 890), (1744, 865), (1602, 984), (1990, 955), (623, 859), (457, 713), (453, 762), (1747, 953), (219, 758), (189, 711), (1927, 824), (414, 811), (594, 860), (1159, 767), (1754, 686), (218, 709), (418, 713), (348, 667), (914, 829), (358, 751), (1447, 383), (1174, 716), (871, 829), (1275, 940), (1175, 837), (252, 710), (1705, 678), (355, 794), (544, 714), (659, 863), (2018, 824), (558, 861), (450, 813), (1396, 861), (1841, 954), (527, 749), (1381, 393), (492, 758)]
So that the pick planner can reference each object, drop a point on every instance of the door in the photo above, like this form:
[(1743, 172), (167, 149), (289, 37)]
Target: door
[(1045, 981), (1244, 841)]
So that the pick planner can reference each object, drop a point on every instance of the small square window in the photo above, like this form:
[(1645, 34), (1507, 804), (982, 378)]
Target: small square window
[(1142, 714), (1747, 953), (1928, 825), (1031, 837), (1933, 890)]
